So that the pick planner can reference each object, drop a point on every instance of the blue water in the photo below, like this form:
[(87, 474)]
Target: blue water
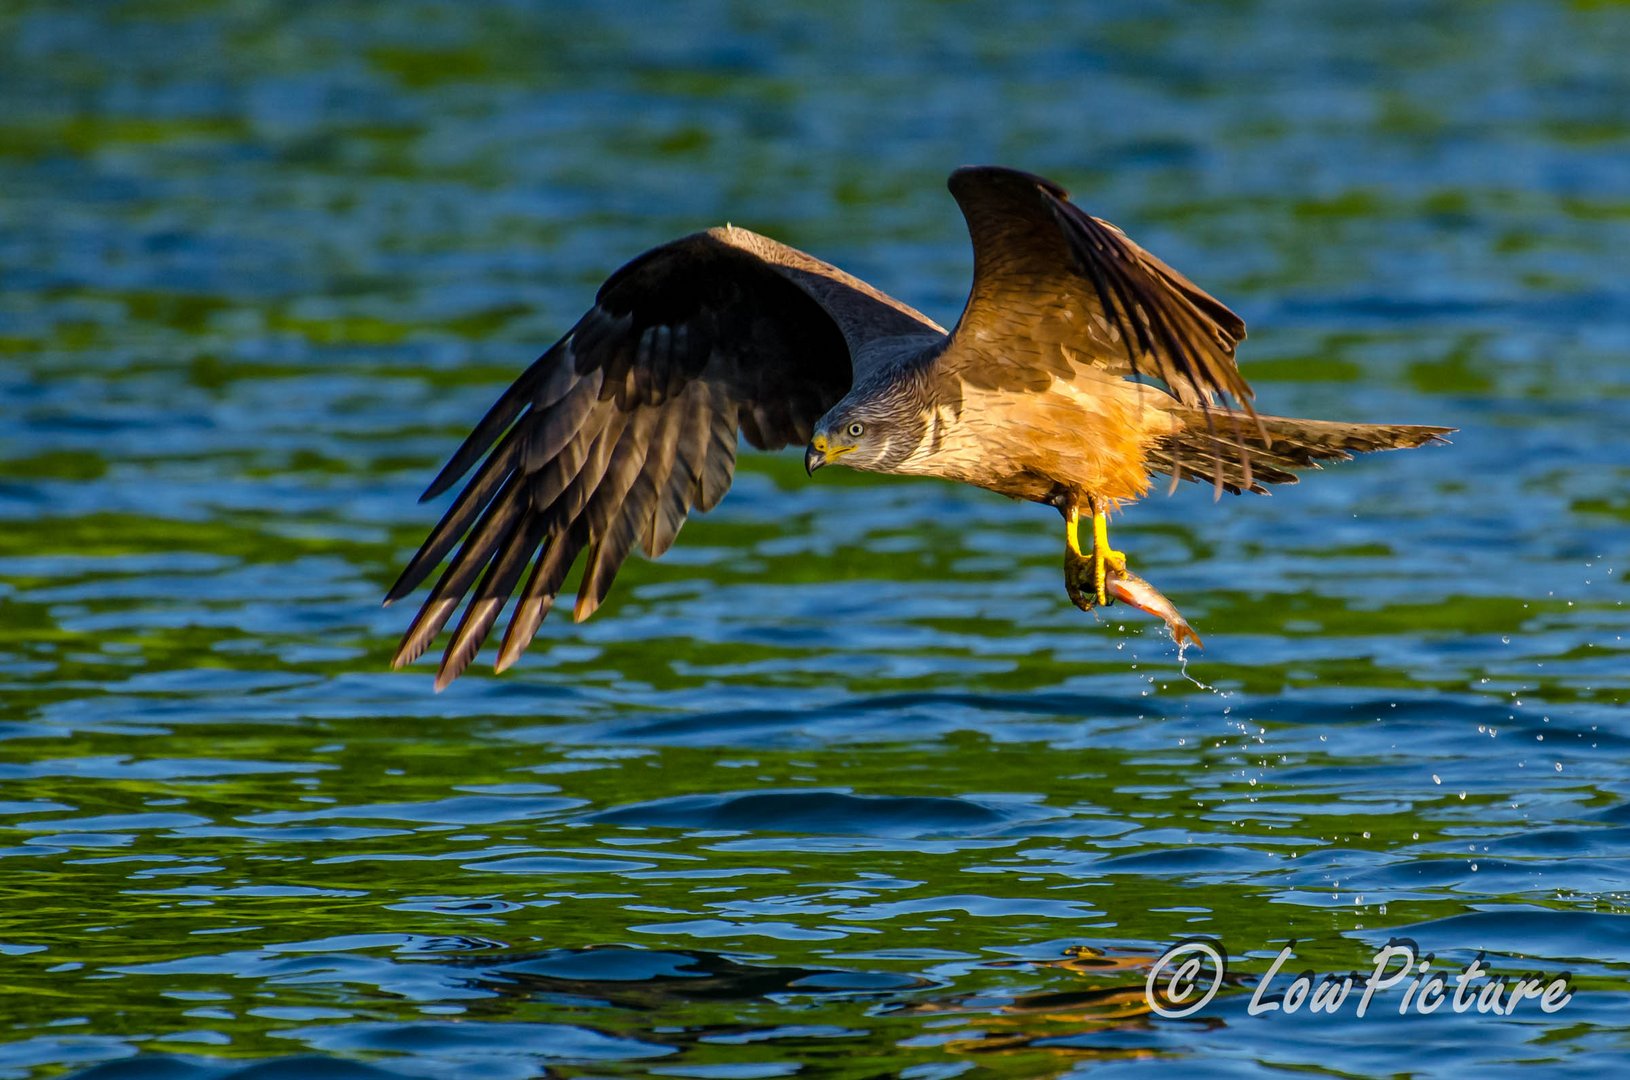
[(842, 785)]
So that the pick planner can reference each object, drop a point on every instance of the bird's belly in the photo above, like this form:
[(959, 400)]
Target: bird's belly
[(1088, 439)]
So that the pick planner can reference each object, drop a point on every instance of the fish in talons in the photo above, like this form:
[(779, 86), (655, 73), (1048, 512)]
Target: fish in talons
[(1130, 589)]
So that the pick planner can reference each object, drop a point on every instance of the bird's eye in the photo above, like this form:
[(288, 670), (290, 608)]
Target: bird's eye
[(856, 431)]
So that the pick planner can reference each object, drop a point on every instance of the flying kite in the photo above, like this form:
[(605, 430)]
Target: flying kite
[(1081, 364)]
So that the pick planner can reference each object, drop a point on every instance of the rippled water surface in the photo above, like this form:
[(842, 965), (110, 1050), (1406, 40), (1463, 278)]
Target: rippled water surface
[(842, 785)]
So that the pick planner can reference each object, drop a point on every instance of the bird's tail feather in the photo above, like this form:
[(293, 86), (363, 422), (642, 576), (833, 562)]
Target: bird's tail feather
[(1228, 450)]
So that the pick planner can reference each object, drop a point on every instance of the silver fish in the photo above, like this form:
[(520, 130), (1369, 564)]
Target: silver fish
[(1128, 588), (1132, 590)]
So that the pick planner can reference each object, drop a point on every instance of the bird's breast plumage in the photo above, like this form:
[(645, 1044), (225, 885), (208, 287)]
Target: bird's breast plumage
[(1086, 434)]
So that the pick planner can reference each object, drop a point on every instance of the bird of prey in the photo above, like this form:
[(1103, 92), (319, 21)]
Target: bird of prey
[(1080, 365)]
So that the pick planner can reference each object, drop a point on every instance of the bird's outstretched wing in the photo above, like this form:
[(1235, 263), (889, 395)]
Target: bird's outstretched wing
[(630, 420), (1055, 289)]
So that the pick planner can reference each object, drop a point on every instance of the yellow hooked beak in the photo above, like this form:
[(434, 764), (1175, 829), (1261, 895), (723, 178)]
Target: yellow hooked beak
[(821, 453)]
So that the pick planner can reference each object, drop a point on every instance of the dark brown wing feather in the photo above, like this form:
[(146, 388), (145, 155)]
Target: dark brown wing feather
[(630, 421), (1197, 452), (1056, 288)]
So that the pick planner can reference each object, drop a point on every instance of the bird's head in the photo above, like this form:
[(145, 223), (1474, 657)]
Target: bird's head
[(882, 421), (861, 436)]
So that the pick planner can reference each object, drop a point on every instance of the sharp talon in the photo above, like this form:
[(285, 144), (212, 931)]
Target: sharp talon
[(1078, 568)]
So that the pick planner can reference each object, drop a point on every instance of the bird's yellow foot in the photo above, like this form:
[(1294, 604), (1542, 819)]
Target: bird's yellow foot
[(1086, 577), (1104, 557)]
